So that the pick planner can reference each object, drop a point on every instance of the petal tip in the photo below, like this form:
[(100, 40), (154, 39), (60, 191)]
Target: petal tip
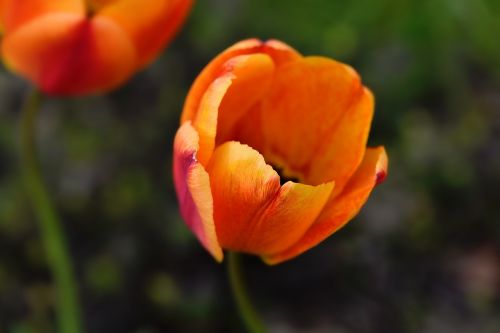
[(246, 44), (381, 168), (381, 175), (269, 261), (218, 255)]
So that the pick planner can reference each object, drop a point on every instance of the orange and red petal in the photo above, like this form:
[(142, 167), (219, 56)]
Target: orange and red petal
[(2, 15), (307, 104), (210, 74), (68, 54), (16, 13), (149, 24), (205, 121), (286, 219), (278, 51), (251, 79), (192, 185), (339, 210), (242, 185), (252, 212), (341, 152)]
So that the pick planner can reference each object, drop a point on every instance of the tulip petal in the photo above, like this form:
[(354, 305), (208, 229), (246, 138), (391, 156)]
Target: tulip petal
[(278, 51), (242, 184), (3, 7), (149, 24), (251, 209), (251, 79), (288, 217), (245, 80), (340, 154), (305, 108), (68, 54), (210, 74), (205, 122), (339, 210), (192, 185), (18, 12)]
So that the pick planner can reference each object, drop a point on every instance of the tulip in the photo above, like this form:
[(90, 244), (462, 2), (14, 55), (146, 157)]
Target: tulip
[(79, 47), (271, 158)]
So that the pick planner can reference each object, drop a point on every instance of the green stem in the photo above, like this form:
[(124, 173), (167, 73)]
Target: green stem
[(247, 311), (67, 303)]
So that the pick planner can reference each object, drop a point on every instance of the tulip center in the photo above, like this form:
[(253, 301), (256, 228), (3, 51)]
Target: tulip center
[(284, 175), (93, 6)]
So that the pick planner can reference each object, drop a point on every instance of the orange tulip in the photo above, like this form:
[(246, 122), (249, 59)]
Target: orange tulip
[(271, 156), (77, 47)]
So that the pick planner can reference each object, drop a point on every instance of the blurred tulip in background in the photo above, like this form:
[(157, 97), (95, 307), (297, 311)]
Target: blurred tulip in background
[(78, 47)]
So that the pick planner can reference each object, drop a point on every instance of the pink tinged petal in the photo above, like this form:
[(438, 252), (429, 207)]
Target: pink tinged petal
[(192, 185), (341, 209)]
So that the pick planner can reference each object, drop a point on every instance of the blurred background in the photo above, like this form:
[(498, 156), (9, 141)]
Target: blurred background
[(422, 256)]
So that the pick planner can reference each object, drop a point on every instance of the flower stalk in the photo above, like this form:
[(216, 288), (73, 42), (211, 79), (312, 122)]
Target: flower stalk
[(54, 242), (246, 309)]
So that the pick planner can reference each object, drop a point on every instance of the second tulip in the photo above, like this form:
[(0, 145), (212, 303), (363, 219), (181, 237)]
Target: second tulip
[(78, 47)]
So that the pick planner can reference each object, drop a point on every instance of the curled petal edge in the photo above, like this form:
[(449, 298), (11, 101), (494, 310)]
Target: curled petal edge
[(278, 51), (252, 211), (192, 185), (342, 208)]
